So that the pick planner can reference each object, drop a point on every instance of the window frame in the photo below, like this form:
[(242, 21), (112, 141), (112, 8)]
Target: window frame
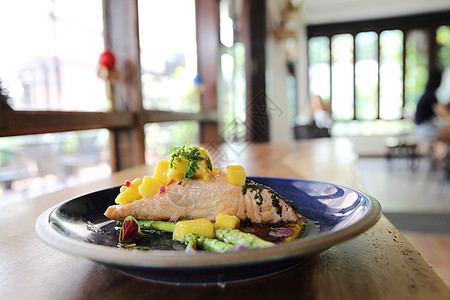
[(430, 22)]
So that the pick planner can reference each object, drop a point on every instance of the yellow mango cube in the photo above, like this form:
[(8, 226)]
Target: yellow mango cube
[(198, 226), (202, 171), (161, 170), (149, 187), (129, 194), (236, 175), (136, 182), (228, 221), (178, 172)]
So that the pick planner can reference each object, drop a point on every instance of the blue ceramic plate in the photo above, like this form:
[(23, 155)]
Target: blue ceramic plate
[(334, 214)]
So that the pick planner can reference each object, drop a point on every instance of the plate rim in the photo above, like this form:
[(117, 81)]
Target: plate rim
[(157, 259)]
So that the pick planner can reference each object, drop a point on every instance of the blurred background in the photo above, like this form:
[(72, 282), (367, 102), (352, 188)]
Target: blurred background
[(200, 71)]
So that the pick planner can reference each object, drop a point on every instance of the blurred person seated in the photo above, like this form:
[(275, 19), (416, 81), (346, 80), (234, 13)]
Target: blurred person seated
[(319, 126), (321, 115), (432, 117), (433, 124)]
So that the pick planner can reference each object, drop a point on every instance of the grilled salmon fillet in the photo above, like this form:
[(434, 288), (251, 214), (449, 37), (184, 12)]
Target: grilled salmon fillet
[(200, 199)]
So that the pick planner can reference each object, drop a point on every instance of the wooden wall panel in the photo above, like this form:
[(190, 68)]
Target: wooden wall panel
[(207, 15)]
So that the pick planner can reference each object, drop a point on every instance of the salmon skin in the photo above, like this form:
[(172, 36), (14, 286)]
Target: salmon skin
[(199, 199)]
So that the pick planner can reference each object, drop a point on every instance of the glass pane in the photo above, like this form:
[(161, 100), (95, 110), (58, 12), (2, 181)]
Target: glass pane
[(319, 67), (391, 74), (159, 137), (443, 62), (366, 75), (231, 77), (226, 14), (342, 76), (168, 54), (232, 93), (443, 42), (53, 65), (416, 68), (38, 164)]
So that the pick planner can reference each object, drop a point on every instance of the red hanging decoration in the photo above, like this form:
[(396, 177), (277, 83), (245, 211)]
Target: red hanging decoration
[(106, 70), (107, 59)]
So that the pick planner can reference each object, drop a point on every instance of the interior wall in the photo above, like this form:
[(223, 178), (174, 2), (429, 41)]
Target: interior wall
[(325, 11), (301, 67), (276, 77)]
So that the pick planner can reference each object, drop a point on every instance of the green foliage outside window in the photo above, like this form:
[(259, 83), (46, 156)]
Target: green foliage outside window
[(443, 41)]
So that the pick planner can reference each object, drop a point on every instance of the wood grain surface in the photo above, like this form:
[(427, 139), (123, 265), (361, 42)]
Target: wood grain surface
[(378, 264)]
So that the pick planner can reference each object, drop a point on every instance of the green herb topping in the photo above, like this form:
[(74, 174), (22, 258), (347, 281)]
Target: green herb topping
[(192, 155)]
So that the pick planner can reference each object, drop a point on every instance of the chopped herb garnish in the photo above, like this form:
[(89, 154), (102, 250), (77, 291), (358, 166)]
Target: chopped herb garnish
[(257, 188), (133, 246), (192, 155)]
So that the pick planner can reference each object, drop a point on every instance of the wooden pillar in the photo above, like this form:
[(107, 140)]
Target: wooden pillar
[(207, 24), (121, 36), (378, 73), (405, 36), (254, 38), (355, 103)]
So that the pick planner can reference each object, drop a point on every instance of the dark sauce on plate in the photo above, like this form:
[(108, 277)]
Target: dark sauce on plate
[(160, 240)]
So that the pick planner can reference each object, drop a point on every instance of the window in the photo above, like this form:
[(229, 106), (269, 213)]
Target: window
[(366, 75), (443, 44), (417, 62), (53, 63), (342, 76), (46, 69), (42, 163), (168, 69), (231, 79), (443, 60), (378, 68), (391, 74), (319, 67), (159, 137)]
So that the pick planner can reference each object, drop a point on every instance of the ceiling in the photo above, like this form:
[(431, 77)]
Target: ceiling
[(332, 11)]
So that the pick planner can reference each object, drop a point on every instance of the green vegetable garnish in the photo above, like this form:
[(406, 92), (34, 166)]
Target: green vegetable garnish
[(213, 245), (130, 230), (237, 237), (192, 155), (153, 225), (133, 246)]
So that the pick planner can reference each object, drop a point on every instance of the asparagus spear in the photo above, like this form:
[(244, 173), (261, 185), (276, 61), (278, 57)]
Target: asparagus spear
[(237, 237), (213, 245), (155, 225), (225, 237)]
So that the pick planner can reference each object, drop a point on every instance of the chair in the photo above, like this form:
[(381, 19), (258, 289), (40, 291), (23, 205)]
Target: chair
[(402, 147)]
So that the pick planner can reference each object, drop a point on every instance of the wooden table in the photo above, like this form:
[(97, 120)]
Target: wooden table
[(378, 264)]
